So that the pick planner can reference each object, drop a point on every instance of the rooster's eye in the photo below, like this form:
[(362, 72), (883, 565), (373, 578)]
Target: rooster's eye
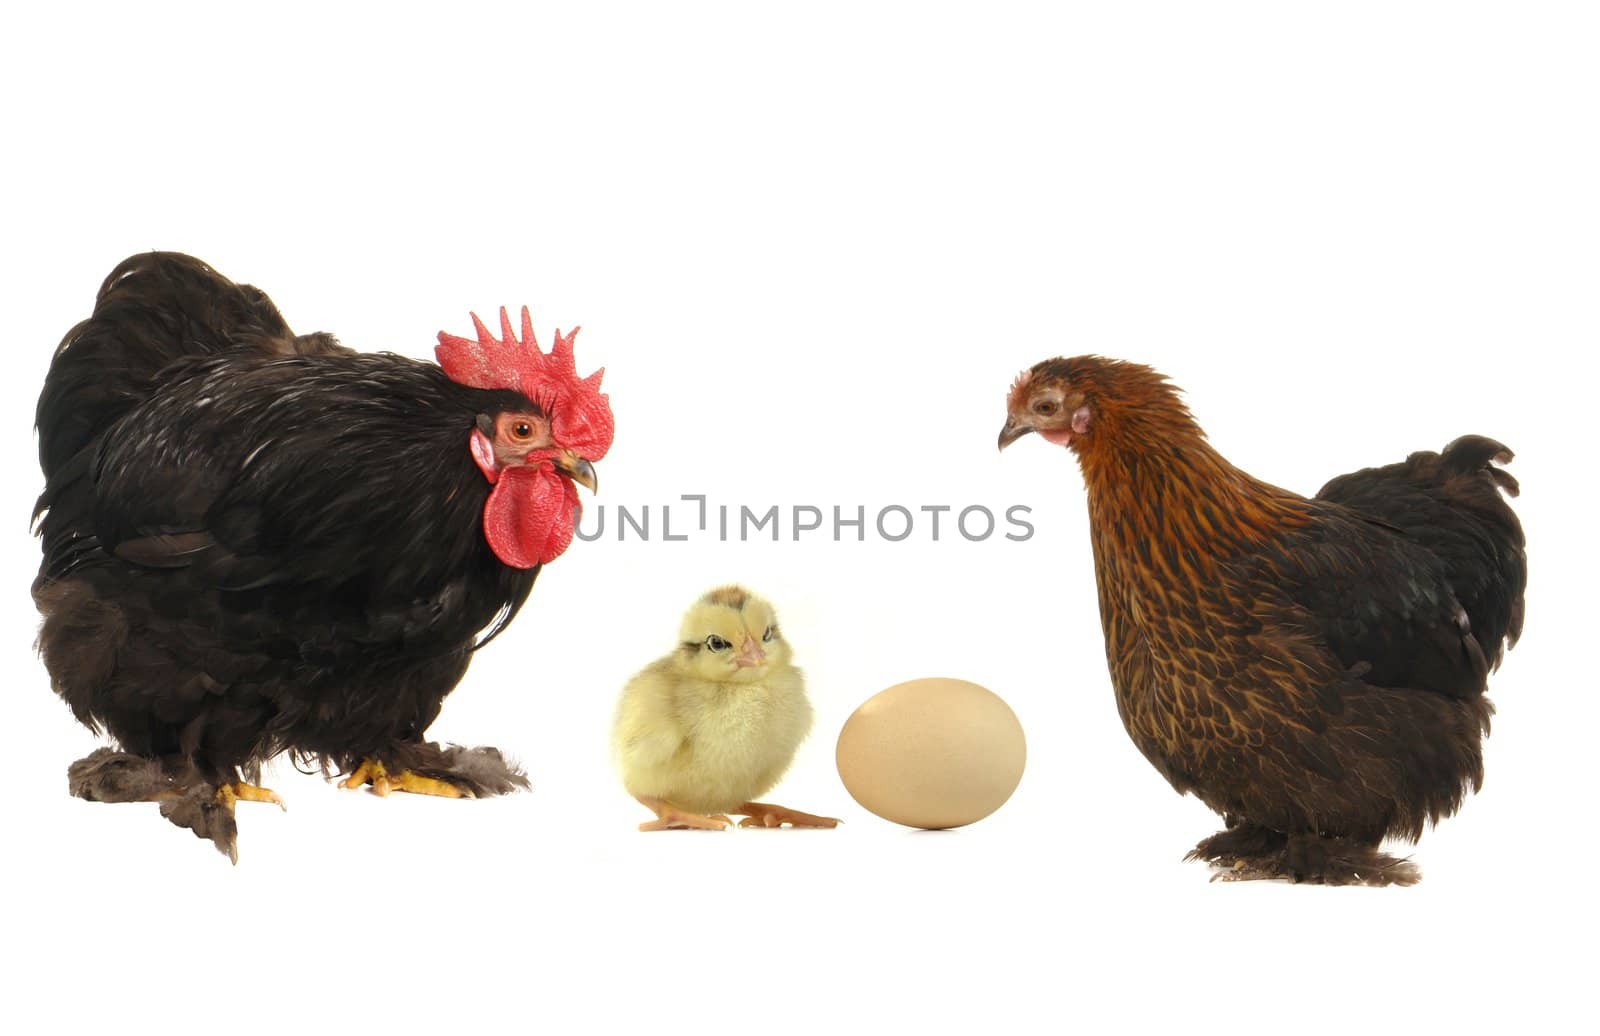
[(1044, 408), (522, 429), (716, 643)]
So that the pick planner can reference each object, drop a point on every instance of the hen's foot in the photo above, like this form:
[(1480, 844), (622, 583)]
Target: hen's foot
[(758, 814), (1252, 853), (383, 782), (669, 816), (1242, 841)]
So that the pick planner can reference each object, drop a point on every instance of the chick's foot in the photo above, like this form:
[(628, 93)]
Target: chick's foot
[(669, 816), (758, 814)]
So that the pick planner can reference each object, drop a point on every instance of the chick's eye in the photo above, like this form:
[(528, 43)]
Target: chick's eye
[(771, 632), (1044, 407), (716, 643)]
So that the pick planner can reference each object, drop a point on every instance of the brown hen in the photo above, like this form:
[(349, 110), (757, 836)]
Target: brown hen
[(1312, 669)]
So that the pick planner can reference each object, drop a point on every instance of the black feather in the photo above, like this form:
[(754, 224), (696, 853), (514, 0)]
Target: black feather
[(1450, 505), (256, 542)]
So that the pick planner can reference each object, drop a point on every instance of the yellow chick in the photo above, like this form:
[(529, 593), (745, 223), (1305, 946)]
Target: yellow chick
[(704, 731)]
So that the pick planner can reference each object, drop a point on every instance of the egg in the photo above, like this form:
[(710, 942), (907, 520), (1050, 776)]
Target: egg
[(932, 753)]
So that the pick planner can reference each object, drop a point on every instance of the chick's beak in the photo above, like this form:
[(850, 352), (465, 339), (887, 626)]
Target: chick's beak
[(577, 469), (750, 653), (1013, 431)]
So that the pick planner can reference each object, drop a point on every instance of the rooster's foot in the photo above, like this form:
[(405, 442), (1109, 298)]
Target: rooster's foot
[(208, 811), (669, 816), (242, 792), (757, 814), (187, 798), (383, 782)]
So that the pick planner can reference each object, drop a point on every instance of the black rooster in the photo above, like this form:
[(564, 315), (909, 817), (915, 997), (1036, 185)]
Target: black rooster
[(257, 542)]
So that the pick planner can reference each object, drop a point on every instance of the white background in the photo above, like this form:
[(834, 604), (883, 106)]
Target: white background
[(812, 245)]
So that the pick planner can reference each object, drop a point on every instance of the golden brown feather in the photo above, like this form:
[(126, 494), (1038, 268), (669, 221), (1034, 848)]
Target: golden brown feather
[(1312, 669)]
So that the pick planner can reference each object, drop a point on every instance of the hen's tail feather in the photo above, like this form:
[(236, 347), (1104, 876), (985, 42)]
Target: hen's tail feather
[(1478, 455), (1471, 454), (1454, 504)]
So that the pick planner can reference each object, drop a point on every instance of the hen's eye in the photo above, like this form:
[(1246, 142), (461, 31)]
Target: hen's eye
[(1044, 408), (716, 643), (771, 632), (522, 429)]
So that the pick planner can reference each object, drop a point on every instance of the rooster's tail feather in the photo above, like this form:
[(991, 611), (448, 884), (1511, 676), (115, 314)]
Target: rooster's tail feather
[(155, 309)]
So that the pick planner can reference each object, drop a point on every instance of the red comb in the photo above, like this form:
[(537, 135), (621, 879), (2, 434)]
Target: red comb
[(580, 414)]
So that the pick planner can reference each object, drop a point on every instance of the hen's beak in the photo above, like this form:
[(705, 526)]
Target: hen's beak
[(577, 469), (1013, 431)]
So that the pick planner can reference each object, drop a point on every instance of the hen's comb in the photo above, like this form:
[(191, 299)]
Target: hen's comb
[(580, 414), (1019, 387)]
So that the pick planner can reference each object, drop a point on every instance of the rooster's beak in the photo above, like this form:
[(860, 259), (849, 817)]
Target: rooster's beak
[(577, 469), (1012, 432)]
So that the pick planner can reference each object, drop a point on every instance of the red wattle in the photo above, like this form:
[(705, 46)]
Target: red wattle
[(530, 516)]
